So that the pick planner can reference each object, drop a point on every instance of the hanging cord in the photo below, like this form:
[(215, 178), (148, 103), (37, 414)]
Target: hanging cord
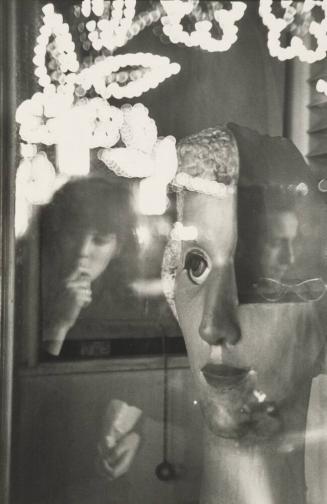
[(165, 471)]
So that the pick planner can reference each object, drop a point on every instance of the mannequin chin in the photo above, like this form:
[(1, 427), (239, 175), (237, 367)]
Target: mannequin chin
[(240, 411)]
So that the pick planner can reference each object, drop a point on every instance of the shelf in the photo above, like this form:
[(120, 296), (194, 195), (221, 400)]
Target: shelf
[(104, 366)]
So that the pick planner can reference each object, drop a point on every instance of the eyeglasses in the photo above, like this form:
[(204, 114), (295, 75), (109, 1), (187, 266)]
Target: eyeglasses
[(273, 290)]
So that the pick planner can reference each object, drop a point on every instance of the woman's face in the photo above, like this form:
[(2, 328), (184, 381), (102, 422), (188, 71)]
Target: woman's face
[(246, 360), (89, 250)]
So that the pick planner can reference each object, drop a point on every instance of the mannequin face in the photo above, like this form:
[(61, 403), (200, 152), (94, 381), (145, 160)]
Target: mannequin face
[(247, 361)]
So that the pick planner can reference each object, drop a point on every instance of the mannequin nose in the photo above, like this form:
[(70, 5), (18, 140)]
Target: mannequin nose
[(219, 324), (287, 256)]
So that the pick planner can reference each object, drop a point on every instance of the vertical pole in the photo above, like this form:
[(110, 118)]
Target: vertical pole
[(7, 239)]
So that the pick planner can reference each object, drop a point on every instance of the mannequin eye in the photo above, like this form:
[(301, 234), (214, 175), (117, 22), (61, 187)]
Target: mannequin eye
[(196, 266)]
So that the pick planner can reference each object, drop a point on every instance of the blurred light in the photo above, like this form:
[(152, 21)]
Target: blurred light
[(28, 150), (200, 185), (322, 86), (296, 47), (201, 36), (152, 197), (158, 69), (23, 212), (302, 188), (184, 233), (62, 49), (143, 235), (147, 288), (73, 156), (144, 156), (35, 179), (86, 8), (260, 396)]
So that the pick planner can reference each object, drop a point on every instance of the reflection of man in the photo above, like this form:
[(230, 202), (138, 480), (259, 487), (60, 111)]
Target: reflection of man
[(252, 364), (278, 253)]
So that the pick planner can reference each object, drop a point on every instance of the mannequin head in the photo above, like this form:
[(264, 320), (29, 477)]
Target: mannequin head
[(248, 360)]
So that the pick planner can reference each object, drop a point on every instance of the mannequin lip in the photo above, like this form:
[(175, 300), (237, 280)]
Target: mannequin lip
[(223, 374)]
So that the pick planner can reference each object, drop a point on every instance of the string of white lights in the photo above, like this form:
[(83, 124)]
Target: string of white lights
[(143, 153), (197, 184), (61, 50), (95, 6), (140, 21), (296, 47), (110, 32), (158, 68), (201, 36)]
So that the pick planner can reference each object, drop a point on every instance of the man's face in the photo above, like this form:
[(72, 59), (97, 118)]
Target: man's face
[(246, 360), (276, 254)]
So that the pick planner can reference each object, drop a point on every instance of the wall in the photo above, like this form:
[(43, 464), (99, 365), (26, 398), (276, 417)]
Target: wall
[(243, 85), (58, 430)]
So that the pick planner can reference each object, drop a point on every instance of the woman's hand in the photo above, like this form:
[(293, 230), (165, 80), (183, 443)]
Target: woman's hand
[(64, 307), (75, 294), (115, 461)]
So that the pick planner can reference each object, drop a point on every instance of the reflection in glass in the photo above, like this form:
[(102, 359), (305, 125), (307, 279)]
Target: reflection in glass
[(274, 291), (254, 349)]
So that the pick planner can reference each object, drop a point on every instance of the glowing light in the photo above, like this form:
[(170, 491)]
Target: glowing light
[(147, 288), (95, 6), (86, 8), (144, 154), (27, 150), (198, 184), (111, 33), (23, 212), (33, 115), (201, 36), (260, 396), (61, 49), (73, 150), (143, 235), (127, 162), (138, 130), (152, 198), (106, 122), (184, 233), (37, 177), (158, 69), (116, 19), (140, 22), (296, 47), (321, 86), (98, 7)]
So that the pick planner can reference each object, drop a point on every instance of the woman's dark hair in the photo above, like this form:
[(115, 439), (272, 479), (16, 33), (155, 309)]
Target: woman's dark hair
[(80, 205), (88, 203)]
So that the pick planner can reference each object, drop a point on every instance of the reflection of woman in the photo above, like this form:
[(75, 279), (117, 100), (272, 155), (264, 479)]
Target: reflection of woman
[(84, 231), (84, 234)]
